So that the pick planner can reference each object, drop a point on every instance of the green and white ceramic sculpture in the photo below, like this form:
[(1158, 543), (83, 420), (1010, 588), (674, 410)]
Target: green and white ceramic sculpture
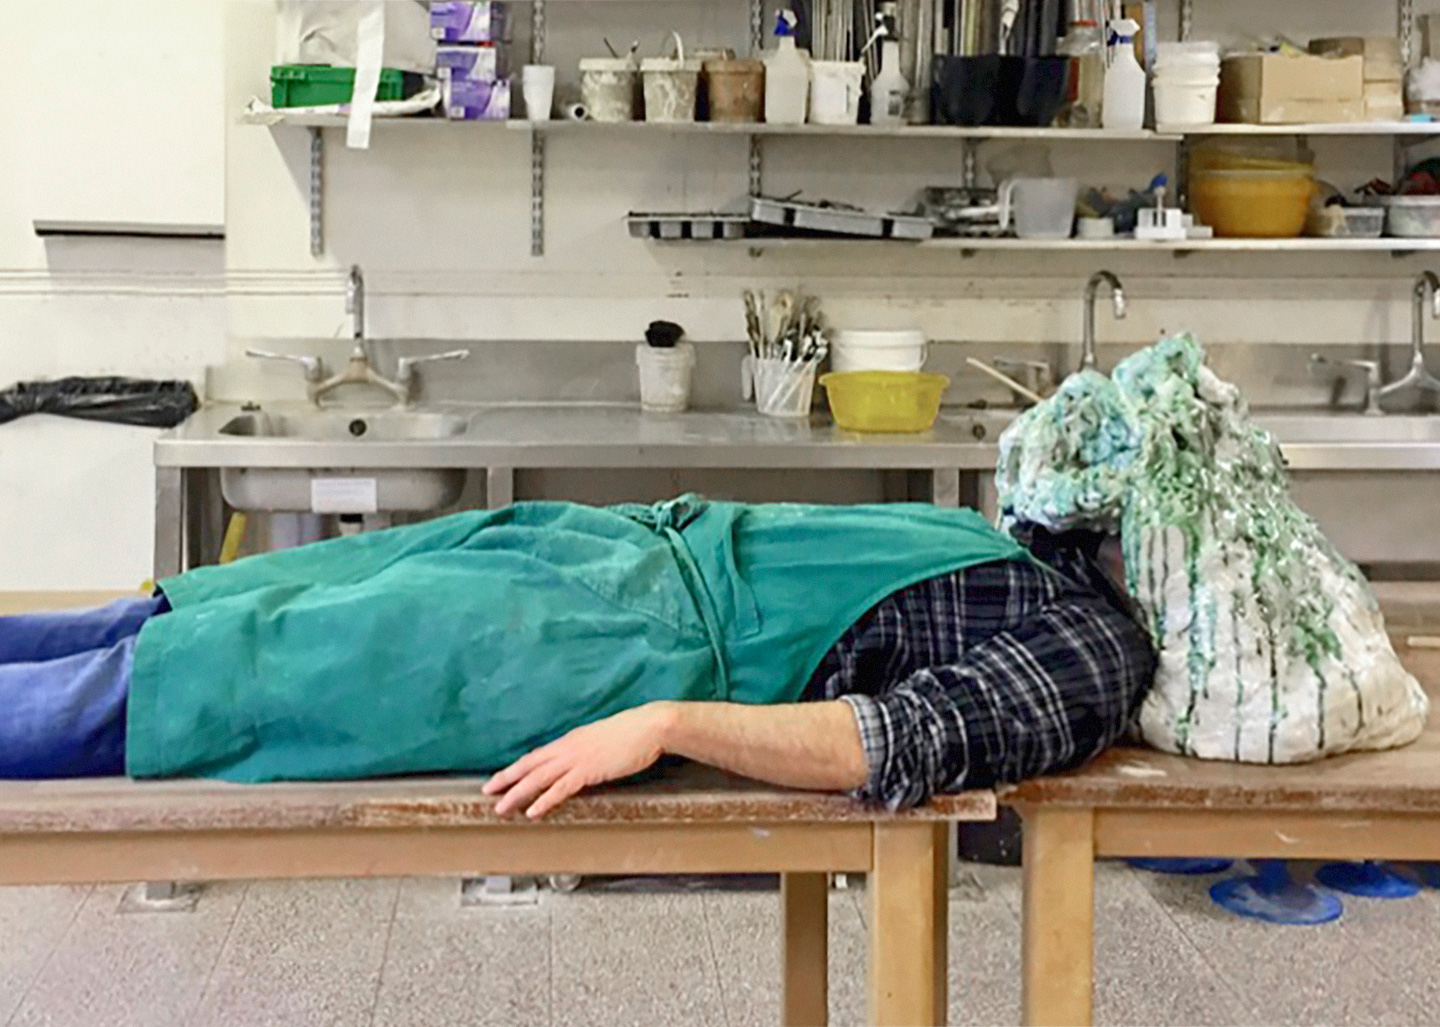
[(1272, 647)]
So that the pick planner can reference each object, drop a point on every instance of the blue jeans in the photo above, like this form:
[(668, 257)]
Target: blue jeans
[(64, 679)]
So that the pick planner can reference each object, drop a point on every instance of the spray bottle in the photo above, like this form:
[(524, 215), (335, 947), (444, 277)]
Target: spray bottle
[(787, 76), (1124, 107), (889, 92)]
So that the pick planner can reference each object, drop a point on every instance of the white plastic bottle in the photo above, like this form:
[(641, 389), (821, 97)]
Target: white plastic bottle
[(889, 91), (787, 76), (1124, 107)]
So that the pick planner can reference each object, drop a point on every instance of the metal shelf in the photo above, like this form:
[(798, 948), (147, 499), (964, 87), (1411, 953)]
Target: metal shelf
[(727, 128), (1398, 246), (1356, 128)]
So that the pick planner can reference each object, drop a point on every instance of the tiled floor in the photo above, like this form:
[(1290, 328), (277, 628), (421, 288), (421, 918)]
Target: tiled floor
[(392, 953)]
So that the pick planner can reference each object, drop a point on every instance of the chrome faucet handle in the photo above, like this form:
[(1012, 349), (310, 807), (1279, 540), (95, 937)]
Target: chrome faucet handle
[(1373, 389), (406, 365), (314, 366), (1042, 375)]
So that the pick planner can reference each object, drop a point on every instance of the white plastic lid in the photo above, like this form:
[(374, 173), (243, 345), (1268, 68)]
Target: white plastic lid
[(881, 339)]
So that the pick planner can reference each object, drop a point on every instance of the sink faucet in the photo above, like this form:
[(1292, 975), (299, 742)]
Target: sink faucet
[(360, 370), (1117, 305), (1427, 293), (1373, 391)]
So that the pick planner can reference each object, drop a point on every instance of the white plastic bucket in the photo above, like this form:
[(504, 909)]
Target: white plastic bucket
[(607, 88), (665, 376), (835, 92), (878, 351), (1184, 103), (784, 388), (672, 85)]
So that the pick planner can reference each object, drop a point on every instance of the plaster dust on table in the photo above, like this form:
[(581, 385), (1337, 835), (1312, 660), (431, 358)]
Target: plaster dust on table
[(1271, 645)]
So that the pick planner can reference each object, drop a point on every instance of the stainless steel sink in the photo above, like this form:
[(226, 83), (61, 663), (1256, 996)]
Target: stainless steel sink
[(349, 426), (347, 488), (1350, 429)]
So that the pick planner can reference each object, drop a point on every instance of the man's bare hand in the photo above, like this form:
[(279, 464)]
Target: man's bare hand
[(608, 749)]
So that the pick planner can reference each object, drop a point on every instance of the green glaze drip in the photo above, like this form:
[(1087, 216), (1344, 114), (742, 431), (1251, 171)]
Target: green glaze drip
[(1165, 454)]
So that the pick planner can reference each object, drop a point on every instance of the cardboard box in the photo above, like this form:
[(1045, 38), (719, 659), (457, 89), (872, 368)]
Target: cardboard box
[(1381, 54), (1275, 89), (1384, 101)]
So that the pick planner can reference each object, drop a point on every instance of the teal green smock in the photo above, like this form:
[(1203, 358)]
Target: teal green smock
[(462, 643)]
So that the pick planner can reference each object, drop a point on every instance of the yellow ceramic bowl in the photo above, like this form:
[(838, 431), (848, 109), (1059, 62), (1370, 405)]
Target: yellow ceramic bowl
[(885, 401), (1252, 204)]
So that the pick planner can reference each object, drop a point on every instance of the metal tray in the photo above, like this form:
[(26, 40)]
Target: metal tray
[(811, 217), (687, 226)]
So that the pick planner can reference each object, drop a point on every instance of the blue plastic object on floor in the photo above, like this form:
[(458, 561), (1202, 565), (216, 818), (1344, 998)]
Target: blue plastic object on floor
[(1272, 896), (1369, 879), (1182, 866), (1429, 873)]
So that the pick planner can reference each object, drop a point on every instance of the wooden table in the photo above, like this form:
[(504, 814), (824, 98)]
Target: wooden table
[(1139, 802), (685, 819)]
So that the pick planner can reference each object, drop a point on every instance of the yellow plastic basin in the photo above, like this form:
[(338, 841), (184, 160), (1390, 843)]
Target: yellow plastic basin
[(885, 401), (1255, 204)]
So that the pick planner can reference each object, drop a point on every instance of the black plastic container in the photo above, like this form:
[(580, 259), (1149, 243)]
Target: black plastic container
[(1024, 92)]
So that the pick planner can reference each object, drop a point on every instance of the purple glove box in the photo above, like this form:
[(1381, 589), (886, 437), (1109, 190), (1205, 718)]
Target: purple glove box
[(477, 100), (467, 21)]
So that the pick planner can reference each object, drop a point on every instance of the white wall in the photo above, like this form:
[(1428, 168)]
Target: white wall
[(439, 218), (126, 125)]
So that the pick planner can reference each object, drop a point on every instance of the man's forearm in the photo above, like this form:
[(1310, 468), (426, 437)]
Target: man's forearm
[(799, 745)]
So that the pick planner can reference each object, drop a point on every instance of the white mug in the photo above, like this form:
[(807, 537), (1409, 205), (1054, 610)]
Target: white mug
[(835, 92), (538, 83)]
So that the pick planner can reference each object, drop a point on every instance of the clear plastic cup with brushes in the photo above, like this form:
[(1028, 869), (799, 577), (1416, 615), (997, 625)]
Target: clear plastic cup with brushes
[(787, 346)]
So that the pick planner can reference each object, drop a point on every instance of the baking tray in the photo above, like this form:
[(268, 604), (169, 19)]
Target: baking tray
[(831, 220), (687, 226)]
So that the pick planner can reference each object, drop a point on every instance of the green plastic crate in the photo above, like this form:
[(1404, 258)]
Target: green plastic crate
[(319, 85)]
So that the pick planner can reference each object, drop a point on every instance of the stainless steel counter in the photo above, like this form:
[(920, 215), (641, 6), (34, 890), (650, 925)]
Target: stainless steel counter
[(541, 436), (958, 455), (616, 435)]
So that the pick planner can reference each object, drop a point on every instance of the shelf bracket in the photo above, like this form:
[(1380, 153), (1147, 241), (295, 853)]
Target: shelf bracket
[(1187, 19), (537, 140), (757, 26), (1407, 33), (971, 149), (317, 191), (757, 165)]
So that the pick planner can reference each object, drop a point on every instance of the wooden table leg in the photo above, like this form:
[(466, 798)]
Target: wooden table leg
[(904, 964), (941, 898), (805, 899), (1058, 941)]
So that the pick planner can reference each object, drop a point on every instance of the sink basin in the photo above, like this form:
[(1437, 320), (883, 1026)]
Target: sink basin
[(1350, 429), (347, 488), (348, 426)]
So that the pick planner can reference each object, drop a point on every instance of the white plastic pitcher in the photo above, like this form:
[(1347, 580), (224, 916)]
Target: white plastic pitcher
[(1041, 208), (835, 92)]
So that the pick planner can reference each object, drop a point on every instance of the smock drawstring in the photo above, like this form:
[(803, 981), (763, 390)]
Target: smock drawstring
[(669, 520)]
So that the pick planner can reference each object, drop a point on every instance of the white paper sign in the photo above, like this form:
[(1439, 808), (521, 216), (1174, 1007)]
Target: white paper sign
[(343, 495)]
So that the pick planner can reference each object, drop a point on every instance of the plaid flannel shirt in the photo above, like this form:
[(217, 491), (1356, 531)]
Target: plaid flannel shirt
[(990, 675)]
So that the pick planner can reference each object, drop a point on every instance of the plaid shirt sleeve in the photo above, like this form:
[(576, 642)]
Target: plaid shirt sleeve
[(1044, 673)]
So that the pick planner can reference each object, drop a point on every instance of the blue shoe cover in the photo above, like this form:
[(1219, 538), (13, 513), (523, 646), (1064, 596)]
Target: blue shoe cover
[(1182, 866), (1273, 897), (1370, 879)]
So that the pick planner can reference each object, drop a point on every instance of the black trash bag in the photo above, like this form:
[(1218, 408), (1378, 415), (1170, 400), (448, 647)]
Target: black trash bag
[(149, 404)]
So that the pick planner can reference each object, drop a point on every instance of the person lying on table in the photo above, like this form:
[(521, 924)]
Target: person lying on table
[(888, 651)]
